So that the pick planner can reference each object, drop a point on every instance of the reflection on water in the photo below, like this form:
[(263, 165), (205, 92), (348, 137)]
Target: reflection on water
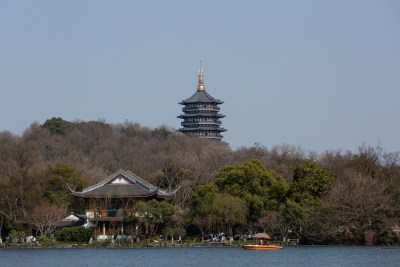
[(289, 256)]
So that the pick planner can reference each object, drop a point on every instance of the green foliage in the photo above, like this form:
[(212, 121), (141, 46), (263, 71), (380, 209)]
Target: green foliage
[(229, 209), (55, 187), (367, 161), (395, 193), (131, 218), (309, 182), (17, 236), (264, 190), (387, 237), (292, 213), (13, 234), (169, 231), (95, 126), (45, 240), (154, 212), (161, 132), (202, 198), (58, 126), (74, 234)]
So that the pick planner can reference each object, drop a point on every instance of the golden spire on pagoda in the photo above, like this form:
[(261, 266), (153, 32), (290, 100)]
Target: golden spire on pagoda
[(201, 85)]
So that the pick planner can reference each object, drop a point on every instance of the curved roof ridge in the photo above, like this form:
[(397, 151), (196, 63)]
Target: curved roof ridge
[(100, 184), (164, 193), (216, 100), (139, 181)]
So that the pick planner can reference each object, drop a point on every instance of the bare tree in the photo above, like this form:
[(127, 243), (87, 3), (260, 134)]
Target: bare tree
[(45, 217), (356, 204), (270, 222)]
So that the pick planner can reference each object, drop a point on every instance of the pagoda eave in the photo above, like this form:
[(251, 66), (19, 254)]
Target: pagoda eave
[(197, 129)]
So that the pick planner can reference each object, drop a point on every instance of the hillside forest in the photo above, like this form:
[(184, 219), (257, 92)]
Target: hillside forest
[(334, 197)]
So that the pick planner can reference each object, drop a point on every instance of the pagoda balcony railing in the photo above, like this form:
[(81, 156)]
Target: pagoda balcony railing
[(185, 109), (209, 136)]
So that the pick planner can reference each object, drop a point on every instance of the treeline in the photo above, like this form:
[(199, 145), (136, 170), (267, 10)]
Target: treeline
[(332, 197)]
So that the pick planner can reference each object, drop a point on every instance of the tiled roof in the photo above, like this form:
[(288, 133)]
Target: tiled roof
[(201, 96), (135, 187), (121, 190)]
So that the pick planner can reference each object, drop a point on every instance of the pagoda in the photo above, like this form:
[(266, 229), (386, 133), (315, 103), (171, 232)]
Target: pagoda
[(200, 113)]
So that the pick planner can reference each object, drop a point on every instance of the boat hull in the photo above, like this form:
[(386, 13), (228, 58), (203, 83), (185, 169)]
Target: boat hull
[(261, 247)]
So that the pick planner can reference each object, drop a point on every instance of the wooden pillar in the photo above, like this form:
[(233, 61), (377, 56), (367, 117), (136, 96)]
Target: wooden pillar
[(104, 228)]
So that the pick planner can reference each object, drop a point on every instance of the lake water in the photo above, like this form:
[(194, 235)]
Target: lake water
[(289, 256)]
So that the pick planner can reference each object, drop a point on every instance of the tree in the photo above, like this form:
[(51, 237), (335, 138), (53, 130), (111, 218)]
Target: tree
[(284, 158), (18, 197), (171, 176), (45, 216), (202, 198), (55, 187), (309, 182), (367, 161), (269, 222), (202, 212), (203, 223), (169, 231), (179, 220), (19, 183), (357, 203), (229, 210), (154, 213), (264, 190), (57, 125), (292, 217)]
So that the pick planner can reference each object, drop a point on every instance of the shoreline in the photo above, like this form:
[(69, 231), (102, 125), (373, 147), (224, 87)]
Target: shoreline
[(161, 245), (122, 245)]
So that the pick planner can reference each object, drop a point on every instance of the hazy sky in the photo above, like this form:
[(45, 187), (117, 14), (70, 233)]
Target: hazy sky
[(320, 74)]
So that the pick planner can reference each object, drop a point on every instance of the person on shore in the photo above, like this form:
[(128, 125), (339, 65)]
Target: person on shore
[(29, 239)]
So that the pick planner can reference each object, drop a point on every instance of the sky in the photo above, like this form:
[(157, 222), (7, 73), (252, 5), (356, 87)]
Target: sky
[(323, 75)]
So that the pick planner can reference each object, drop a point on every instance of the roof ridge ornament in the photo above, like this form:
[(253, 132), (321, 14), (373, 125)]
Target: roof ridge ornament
[(201, 85)]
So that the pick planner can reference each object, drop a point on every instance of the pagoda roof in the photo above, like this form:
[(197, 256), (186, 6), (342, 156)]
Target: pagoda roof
[(123, 184), (201, 96), (208, 114)]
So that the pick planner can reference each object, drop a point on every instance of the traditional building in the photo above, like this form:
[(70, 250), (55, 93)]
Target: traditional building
[(200, 113), (71, 220), (110, 201)]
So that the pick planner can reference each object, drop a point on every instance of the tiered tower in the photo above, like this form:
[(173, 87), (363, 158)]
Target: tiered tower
[(200, 114)]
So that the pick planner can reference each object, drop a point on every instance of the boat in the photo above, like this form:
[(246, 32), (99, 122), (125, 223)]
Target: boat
[(262, 247)]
